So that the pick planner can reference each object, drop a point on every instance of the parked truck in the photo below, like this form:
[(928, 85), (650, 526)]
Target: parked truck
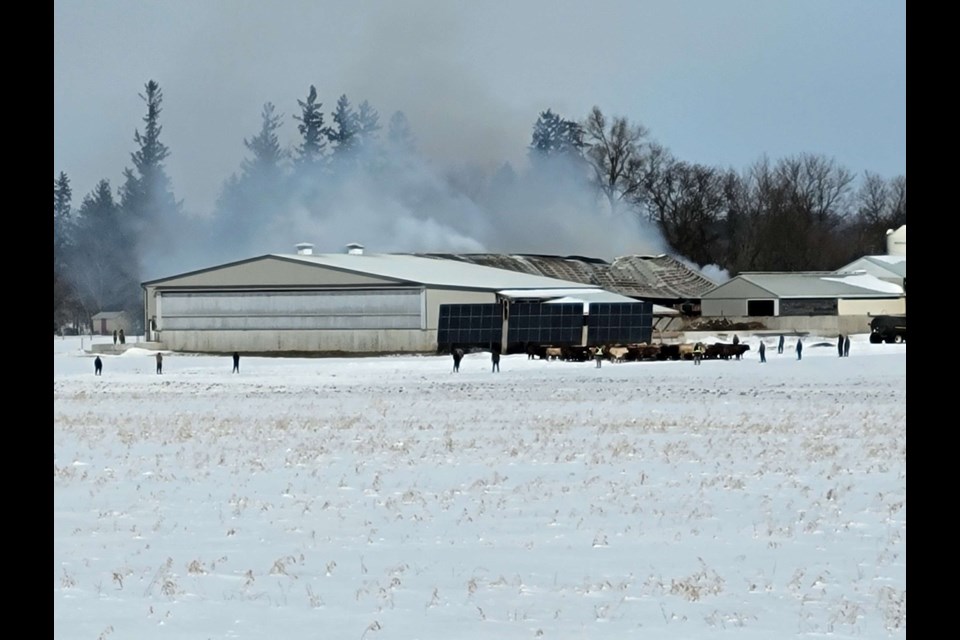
[(888, 329)]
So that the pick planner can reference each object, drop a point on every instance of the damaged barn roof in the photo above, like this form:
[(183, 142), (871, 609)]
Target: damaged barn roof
[(647, 277)]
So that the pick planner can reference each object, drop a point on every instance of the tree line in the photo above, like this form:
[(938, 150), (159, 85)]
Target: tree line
[(803, 212)]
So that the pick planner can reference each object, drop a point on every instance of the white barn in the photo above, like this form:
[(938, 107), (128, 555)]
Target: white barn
[(352, 302)]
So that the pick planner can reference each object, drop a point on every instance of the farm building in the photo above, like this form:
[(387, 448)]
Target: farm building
[(106, 322), (360, 302), (890, 268), (829, 302)]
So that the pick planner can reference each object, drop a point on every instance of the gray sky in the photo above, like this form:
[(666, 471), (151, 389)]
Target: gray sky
[(719, 83)]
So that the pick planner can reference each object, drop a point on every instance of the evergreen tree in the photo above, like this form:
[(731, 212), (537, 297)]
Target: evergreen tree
[(149, 214), (101, 258), (399, 136), (147, 196), (368, 124), (342, 135), (62, 218), (249, 200), (554, 136), (63, 292), (268, 155), (314, 134)]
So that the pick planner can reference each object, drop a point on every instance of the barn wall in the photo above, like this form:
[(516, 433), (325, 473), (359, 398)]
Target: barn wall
[(720, 307), (398, 308), (875, 307), (323, 342), (816, 325)]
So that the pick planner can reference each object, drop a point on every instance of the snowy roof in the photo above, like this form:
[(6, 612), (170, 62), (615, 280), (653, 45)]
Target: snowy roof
[(422, 270), (107, 315), (880, 266), (853, 284)]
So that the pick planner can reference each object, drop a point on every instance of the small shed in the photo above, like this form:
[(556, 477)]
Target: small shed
[(106, 322)]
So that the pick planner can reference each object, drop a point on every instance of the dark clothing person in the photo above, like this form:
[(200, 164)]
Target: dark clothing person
[(736, 339), (123, 338), (846, 346), (799, 349), (97, 366), (457, 357), (697, 353), (495, 358), (598, 356), (780, 344), (114, 336), (763, 352), (236, 362), (159, 362), (840, 345)]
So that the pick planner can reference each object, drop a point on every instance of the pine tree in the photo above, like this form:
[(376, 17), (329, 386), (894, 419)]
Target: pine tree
[(343, 134), (249, 200), (62, 218), (554, 136), (313, 145), (399, 137), (147, 195), (101, 259), (63, 292)]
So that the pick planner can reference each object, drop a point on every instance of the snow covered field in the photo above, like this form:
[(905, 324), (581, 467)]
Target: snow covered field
[(388, 498)]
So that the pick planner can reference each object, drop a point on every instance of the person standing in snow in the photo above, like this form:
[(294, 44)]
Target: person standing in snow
[(697, 353), (736, 339), (799, 349), (97, 366), (495, 358), (780, 344), (763, 352), (159, 362), (846, 346), (236, 362), (840, 345)]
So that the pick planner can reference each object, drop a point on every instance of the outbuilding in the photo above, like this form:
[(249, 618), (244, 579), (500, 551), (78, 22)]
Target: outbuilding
[(822, 301)]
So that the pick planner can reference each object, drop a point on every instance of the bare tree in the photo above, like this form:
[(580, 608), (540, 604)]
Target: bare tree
[(687, 202), (616, 154)]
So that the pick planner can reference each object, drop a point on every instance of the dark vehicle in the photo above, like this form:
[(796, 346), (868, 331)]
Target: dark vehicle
[(888, 329)]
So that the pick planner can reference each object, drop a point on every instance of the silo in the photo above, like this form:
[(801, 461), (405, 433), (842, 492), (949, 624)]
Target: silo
[(897, 241)]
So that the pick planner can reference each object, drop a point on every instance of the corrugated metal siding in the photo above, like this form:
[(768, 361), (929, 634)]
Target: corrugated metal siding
[(371, 309)]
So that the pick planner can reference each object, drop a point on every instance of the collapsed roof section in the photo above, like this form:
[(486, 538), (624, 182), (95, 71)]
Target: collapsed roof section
[(638, 276)]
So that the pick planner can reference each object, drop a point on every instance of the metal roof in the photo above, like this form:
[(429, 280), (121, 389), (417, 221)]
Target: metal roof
[(895, 266), (423, 270), (638, 276), (822, 284)]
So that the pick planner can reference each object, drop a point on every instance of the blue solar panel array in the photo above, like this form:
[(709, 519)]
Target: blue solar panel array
[(481, 325), (620, 323)]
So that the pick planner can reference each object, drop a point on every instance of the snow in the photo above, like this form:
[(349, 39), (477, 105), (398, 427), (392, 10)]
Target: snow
[(869, 282), (375, 498)]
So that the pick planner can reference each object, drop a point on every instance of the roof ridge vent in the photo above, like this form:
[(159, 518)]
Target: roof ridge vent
[(304, 249), (355, 249)]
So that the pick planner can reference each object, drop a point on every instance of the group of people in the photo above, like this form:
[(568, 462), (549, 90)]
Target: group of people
[(98, 363), (119, 336), (458, 354), (843, 346)]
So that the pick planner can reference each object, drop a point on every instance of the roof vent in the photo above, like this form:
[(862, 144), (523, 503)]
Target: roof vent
[(355, 249), (305, 249)]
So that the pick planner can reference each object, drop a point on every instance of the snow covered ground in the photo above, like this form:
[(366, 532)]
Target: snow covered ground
[(388, 498)]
